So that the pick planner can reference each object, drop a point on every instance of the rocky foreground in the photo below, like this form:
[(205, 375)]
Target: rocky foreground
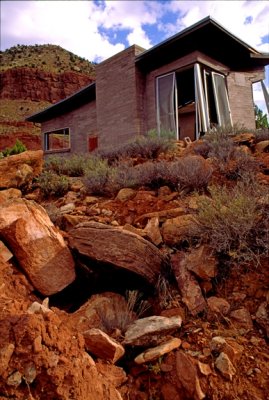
[(102, 303)]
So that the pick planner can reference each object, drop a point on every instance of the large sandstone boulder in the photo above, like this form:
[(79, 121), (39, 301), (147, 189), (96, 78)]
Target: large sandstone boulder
[(117, 247), (18, 170), (37, 245)]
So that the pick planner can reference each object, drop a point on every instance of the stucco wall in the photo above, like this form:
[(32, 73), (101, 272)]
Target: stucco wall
[(81, 122)]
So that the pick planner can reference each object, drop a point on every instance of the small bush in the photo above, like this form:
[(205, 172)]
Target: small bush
[(229, 158), (123, 316), (18, 148), (52, 184), (188, 173), (234, 223), (141, 146), (97, 176)]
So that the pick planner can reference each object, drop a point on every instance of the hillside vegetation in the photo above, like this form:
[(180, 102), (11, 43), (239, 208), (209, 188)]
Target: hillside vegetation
[(47, 57)]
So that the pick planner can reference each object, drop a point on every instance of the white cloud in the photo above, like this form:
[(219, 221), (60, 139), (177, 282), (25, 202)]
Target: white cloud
[(77, 25), (231, 14), (66, 23)]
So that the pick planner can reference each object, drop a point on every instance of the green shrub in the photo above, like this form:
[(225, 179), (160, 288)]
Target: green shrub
[(52, 184), (229, 158), (188, 173), (141, 146), (96, 177), (234, 222), (76, 165), (18, 148)]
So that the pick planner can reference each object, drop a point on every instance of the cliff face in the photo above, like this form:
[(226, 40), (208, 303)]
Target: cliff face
[(36, 85)]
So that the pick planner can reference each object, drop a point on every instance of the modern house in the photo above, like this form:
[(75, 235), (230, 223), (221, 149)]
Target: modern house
[(199, 78)]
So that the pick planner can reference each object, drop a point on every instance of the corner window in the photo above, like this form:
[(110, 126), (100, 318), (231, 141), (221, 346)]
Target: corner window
[(57, 140)]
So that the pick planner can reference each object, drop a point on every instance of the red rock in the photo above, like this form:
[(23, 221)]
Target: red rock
[(188, 286), (242, 318), (176, 230), (36, 85), (20, 169), (37, 245), (117, 247), (187, 376), (102, 346), (218, 305), (201, 262)]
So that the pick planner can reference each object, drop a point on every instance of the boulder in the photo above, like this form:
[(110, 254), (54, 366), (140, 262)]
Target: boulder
[(262, 317), (18, 170), (9, 194), (188, 286), (112, 373), (153, 232), (187, 376), (37, 245), (149, 331), (102, 346), (201, 262), (262, 146), (218, 305), (117, 247), (176, 230), (241, 318), (107, 311), (126, 194), (162, 215), (225, 366), (5, 254)]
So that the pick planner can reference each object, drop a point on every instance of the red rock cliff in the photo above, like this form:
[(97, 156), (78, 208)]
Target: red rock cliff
[(35, 85)]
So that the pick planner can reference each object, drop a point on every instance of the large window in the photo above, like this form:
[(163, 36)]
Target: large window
[(166, 100), (189, 103), (57, 140)]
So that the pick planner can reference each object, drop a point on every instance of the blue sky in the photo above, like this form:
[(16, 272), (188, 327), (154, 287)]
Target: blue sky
[(98, 29)]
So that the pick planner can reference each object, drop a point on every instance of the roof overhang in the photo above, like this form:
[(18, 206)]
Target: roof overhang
[(76, 100), (210, 38)]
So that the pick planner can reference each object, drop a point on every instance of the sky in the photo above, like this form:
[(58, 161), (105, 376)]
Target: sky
[(98, 29)]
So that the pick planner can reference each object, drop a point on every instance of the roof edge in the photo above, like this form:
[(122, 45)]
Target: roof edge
[(60, 103)]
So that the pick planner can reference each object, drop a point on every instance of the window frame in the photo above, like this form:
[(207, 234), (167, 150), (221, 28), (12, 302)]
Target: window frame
[(55, 131)]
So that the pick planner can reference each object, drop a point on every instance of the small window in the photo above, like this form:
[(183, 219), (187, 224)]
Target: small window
[(57, 140)]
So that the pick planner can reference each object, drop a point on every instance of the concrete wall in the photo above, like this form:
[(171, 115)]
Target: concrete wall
[(117, 99), (82, 123), (240, 93)]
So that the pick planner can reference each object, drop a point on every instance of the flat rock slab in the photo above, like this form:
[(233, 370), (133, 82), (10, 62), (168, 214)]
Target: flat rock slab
[(37, 245), (150, 330), (158, 351), (117, 247)]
